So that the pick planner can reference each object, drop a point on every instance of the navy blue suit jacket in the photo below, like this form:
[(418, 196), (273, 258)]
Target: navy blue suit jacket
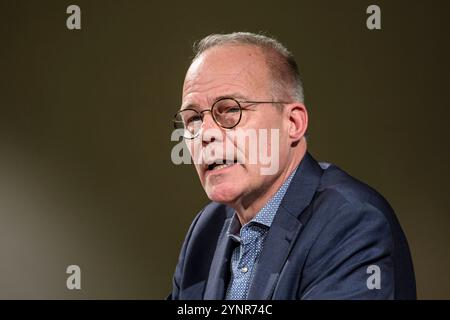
[(328, 233)]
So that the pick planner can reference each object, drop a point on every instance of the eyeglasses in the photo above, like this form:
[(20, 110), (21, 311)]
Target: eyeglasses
[(226, 113)]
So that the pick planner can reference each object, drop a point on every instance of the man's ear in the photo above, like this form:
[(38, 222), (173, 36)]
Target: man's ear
[(298, 121)]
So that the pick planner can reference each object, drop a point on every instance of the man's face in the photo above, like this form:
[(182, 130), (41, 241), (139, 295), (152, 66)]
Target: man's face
[(239, 72)]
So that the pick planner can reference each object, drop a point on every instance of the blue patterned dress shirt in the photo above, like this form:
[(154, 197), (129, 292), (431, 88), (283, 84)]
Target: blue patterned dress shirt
[(251, 240)]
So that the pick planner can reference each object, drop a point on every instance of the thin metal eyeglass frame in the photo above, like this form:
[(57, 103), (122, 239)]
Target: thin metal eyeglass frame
[(238, 102)]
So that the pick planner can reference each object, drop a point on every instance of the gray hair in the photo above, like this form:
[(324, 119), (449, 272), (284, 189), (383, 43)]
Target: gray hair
[(281, 63)]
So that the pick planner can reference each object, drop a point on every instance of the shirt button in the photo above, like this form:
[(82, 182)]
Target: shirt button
[(244, 269)]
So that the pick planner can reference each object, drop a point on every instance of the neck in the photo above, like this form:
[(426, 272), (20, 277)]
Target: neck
[(247, 209)]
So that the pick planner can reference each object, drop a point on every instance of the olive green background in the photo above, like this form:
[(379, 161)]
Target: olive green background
[(85, 121)]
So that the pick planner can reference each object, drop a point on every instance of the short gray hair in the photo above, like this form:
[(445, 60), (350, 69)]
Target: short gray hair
[(281, 62)]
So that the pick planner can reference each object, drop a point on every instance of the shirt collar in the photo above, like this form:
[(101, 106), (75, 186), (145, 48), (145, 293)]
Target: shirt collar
[(266, 215)]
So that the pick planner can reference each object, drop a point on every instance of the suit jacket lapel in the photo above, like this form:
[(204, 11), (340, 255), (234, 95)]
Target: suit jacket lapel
[(285, 228), (273, 256), (215, 287)]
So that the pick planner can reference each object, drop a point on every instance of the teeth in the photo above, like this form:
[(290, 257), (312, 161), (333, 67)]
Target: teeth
[(222, 166)]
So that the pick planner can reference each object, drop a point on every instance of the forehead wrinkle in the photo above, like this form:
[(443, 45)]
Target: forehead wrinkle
[(195, 86), (228, 92), (207, 87)]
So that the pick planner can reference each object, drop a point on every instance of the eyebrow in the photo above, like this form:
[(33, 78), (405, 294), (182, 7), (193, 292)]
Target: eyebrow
[(189, 106), (236, 95)]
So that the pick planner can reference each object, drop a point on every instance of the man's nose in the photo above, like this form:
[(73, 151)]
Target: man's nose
[(210, 131)]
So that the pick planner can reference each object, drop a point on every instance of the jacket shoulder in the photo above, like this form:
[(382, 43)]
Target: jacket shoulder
[(340, 186), (353, 226)]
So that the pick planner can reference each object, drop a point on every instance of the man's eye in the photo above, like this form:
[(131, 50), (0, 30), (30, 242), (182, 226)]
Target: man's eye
[(193, 119), (232, 110)]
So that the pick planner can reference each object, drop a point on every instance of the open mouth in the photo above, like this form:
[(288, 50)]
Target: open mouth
[(218, 166)]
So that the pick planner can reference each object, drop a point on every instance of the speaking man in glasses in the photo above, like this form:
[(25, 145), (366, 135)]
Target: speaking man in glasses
[(280, 225)]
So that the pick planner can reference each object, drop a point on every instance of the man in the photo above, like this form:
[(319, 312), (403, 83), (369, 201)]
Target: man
[(306, 230)]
